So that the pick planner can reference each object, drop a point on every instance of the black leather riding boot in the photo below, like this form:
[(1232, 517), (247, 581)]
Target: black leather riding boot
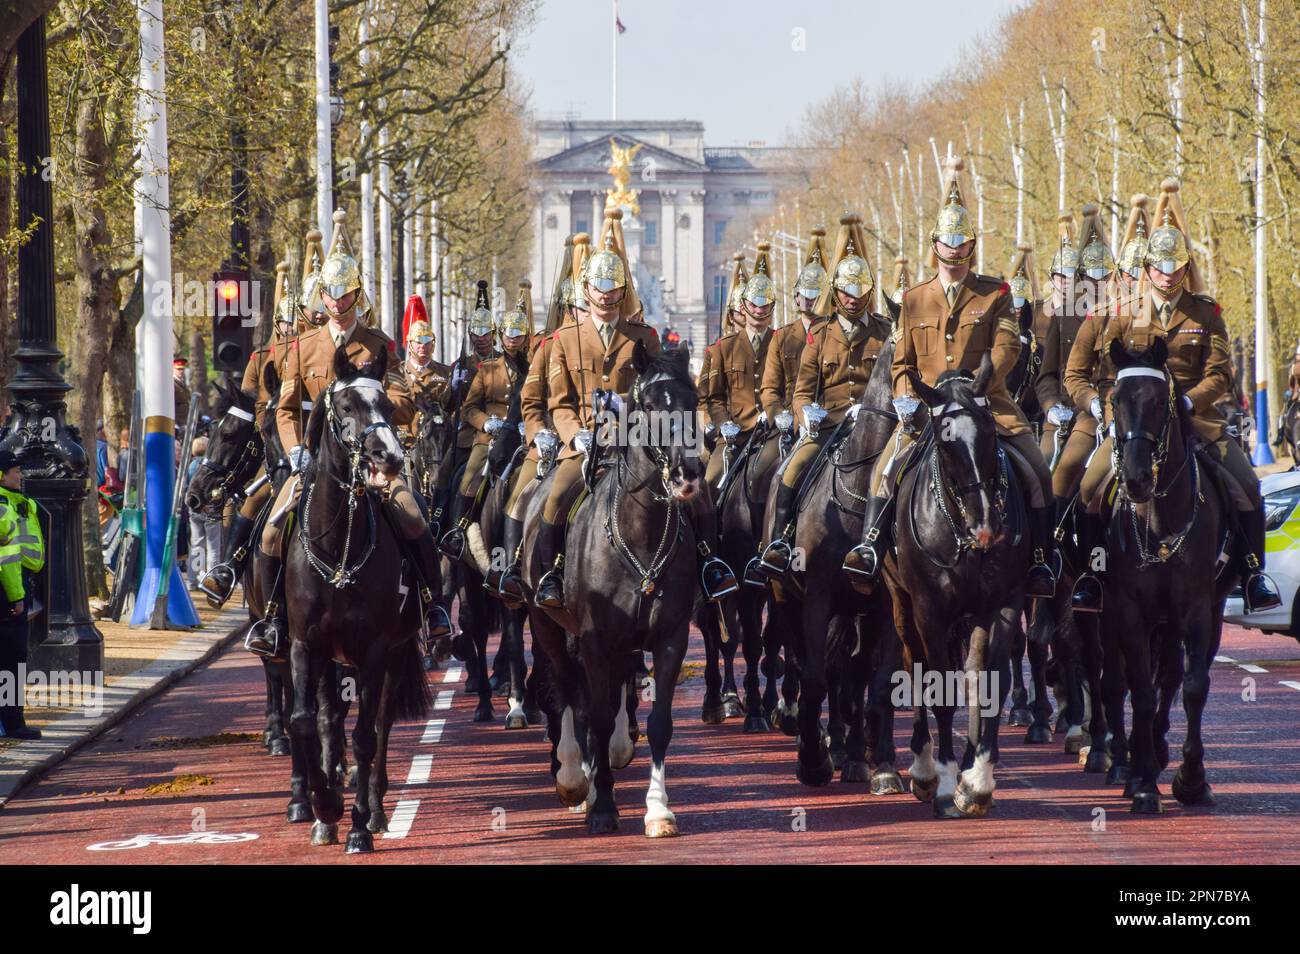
[(716, 578), (269, 635), (864, 560), (1258, 589), (219, 581), (1086, 597), (507, 582), (776, 558), (550, 547), (425, 557), (1041, 580), (453, 541)]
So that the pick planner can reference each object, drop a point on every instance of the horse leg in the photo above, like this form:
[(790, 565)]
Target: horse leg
[(786, 714), (1146, 770), (373, 692), (1189, 784), (668, 652), (987, 672), (621, 745), (857, 669), (277, 743), (1075, 738), (751, 634), (1040, 727), (536, 685), (947, 769), (567, 715), (512, 644), (711, 712), (924, 771), (1019, 713), (343, 680), (885, 659), (602, 816), (1114, 687), (476, 599), (1169, 674), (814, 760), (835, 722), (299, 808), (731, 704), (772, 662), (308, 672), (1085, 628)]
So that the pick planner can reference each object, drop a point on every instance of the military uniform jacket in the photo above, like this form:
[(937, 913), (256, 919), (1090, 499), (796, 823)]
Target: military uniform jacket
[(1061, 334), (1089, 372), (253, 383), (532, 397), (456, 397), (1043, 315), (1200, 358), (181, 397), (489, 394), (428, 386), (309, 370), (1294, 378), (781, 367), (831, 372), (735, 374), (935, 338), (579, 364)]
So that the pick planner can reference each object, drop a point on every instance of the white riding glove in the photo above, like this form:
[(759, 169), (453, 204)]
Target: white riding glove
[(1060, 415), (493, 424), (785, 422), (762, 417), (1095, 408), (729, 430), (299, 458), (582, 441), (853, 411), (1187, 403), (905, 407)]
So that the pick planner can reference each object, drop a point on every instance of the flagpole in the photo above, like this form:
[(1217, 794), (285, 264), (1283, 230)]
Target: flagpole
[(614, 41)]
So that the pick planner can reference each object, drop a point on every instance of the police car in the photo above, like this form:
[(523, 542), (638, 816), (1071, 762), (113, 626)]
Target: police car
[(1282, 558)]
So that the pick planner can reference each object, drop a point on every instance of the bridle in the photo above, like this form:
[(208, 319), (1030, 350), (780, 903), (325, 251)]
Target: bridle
[(1032, 364), (228, 477)]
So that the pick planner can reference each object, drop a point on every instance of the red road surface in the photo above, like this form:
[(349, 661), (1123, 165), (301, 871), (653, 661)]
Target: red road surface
[(488, 796)]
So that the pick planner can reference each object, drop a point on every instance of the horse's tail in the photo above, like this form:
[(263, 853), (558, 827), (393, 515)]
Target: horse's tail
[(411, 694)]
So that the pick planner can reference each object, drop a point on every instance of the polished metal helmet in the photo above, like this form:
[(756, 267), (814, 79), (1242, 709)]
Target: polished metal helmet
[(604, 271), (760, 290), (1167, 247), (480, 319), (811, 281), (853, 275)]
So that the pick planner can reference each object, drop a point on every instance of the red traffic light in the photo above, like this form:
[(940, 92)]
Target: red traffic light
[(672, 338)]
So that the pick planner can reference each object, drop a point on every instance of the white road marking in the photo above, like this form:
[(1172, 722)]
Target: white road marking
[(444, 699), (399, 823), (1251, 667), (433, 731), (1224, 659), (421, 766), (1291, 684), (453, 674)]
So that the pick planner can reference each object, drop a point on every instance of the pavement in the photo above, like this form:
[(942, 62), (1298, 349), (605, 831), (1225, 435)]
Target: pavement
[(183, 778), (138, 664)]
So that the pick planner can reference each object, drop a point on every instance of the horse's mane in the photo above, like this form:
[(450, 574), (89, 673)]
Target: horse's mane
[(669, 363)]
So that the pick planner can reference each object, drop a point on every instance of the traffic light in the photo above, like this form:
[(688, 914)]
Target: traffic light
[(232, 338), (671, 339)]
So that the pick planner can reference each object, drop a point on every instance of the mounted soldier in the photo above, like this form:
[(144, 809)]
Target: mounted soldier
[(834, 368), (730, 319), (597, 355), (1170, 303), (1062, 272), (951, 323), (781, 367), (309, 371), (428, 380)]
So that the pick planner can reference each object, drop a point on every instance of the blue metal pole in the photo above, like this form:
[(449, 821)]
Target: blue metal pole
[(1263, 453)]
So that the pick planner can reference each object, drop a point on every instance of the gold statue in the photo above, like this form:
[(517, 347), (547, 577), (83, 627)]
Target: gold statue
[(620, 164)]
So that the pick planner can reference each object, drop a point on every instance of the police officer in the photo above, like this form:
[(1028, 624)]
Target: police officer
[(950, 323), (22, 554), (834, 369), (598, 354)]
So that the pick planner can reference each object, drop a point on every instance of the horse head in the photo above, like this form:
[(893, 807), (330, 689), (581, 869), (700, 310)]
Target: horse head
[(233, 457), (1144, 404), (353, 413), (664, 399), (971, 468), (1020, 379)]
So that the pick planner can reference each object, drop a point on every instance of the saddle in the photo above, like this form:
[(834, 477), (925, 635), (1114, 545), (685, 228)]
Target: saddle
[(842, 430)]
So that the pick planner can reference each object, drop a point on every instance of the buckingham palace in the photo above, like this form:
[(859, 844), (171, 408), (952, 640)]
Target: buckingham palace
[(697, 205)]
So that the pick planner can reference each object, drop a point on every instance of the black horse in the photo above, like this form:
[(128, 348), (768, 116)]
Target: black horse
[(958, 571), (630, 568), (350, 596), (1169, 526), (844, 639)]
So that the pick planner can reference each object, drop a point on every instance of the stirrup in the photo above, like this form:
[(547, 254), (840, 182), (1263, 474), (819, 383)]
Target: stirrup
[(1268, 598), (726, 583), (868, 561), (453, 543), (551, 579), (778, 549), (1087, 594), (210, 579), (753, 575), (264, 637), (437, 621)]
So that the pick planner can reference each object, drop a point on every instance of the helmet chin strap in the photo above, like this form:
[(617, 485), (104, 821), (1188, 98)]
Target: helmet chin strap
[(1171, 292), (954, 261)]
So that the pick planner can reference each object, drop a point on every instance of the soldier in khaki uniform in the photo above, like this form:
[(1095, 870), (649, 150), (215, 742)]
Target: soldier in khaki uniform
[(428, 380), (218, 581), (598, 354), (836, 363), (1048, 314), (309, 370), (1089, 298), (730, 321), (495, 385), (781, 368), (732, 393), (1170, 304), (950, 323)]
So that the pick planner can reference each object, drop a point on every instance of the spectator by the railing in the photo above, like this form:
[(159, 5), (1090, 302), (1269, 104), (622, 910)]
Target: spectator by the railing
[(22, 554), (101, 455), (205, 533)]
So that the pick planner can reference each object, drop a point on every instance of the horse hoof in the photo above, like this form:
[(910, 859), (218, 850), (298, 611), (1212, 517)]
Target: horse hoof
[(1118, 774), (925, 788), (817, 776), (756, 723), (1020, 717), (1192, 794), (1038, 735), (378, 821), (323, 834), (732, 707), (946, 808), (661, 828), (1146, 803), (602, 823), (1074, 744), (885, 781), (854, 771), (298, 812), (1097, 762), (516, 720), (970, 803), (359, 841), (713, 714), (789, 725), (575, 796), (1131, 787), (279, 747), (483, 712)]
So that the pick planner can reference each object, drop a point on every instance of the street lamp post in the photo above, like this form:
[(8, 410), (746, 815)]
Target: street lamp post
[(55, 467)]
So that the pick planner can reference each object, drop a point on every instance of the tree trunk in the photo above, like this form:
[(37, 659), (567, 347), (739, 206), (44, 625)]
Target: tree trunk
[(262, 255), (96, 304), (8, 327), (198, 371), (119, 376)]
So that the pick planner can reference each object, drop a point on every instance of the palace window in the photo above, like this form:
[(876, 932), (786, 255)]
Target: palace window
[(719, 290), (580, 225), (651, 232), (719, 230)]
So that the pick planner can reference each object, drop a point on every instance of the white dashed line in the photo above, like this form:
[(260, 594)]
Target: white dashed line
[(453, 674), (421, 766), (1291, 684), (444, 699), (433, 731), (1224, 659), (1251, 667), (399, 823)]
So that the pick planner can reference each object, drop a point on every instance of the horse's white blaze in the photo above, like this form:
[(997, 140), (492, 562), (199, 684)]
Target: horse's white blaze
[(621, 748), (979, 777), (947, 779), (389, 440), (923, 764), (570, 776), (656, 796)]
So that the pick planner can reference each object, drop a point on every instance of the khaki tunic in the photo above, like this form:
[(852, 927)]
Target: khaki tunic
[(781, 367), (735, 374)]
